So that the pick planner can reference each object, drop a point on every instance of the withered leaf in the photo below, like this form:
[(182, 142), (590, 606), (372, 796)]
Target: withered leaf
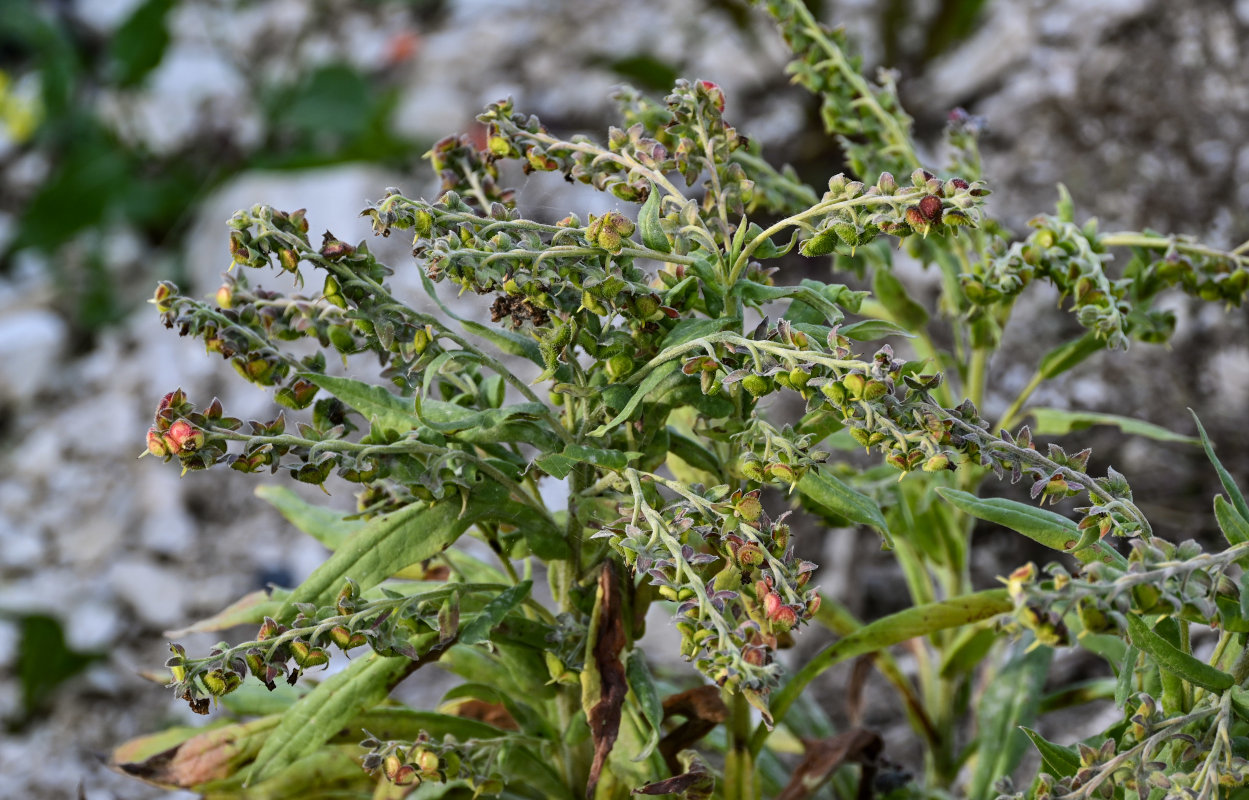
[(824, 756), (603, 682), (703, 709), (695, 783)]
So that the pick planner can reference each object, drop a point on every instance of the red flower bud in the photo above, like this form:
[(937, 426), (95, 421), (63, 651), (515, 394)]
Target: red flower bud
[(183, 437)]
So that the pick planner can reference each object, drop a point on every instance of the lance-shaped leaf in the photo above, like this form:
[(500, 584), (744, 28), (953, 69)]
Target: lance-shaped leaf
[(652, 233), (1235, 528), (647, 694), (377, 405), (386, 545), (1176, 661), (558, 465), (603, 681), (1058, 422), (1069, 354), (893, 296), (828, 492), (1010, 700), (1052, 530), (1059, 761), (815, 296), (322, 712), (886, 632), (1225, 477)]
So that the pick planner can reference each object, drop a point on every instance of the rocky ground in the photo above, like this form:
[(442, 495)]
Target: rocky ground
[(1139, 106)]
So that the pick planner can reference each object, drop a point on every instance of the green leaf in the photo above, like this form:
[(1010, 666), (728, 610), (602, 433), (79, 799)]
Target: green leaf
[(387, 544), (814, 296), (1010, 700), (377, 405), (1176, 661), (1068, 355), (1057, 422), (687, 330), (1059, 761), (825, 490), (139, 44), (1127, 669), (886, 632), (478, 629), (1234, 526), (653, 235), (692, 452), (652, 380), (1045, 527), (892, 295), (510, 342), (559, 465), (646, 693), (1225, 477), (321, 713), (869, 330), (325, 525)]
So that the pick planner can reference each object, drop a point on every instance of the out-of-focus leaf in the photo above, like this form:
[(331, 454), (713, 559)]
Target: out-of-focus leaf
[(138, 46), (1057, 422)]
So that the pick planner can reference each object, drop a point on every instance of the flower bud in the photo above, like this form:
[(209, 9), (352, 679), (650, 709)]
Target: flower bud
[(156, 444), (183, 437), (164, 291)]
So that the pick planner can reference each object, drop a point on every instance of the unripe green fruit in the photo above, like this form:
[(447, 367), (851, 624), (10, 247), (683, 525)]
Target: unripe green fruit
[(757, 385)]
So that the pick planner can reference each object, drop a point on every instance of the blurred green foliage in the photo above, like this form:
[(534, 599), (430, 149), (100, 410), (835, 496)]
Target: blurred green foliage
[(99, 174)]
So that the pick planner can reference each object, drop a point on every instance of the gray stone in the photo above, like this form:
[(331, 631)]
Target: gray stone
[(31, 342)]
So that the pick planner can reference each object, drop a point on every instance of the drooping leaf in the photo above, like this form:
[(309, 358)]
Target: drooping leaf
[(384, 546), (1010, 700), (644, 388), (1057, 422), (869, 330), (175, 761), (1052, 530), (702, 708), (558, 465), (1235, 528)]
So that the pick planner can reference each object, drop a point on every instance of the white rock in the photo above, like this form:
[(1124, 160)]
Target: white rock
[(31, 342), (156, 595)]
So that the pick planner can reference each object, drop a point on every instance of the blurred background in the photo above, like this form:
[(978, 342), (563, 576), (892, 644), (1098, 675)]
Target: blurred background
[(130, 130)]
